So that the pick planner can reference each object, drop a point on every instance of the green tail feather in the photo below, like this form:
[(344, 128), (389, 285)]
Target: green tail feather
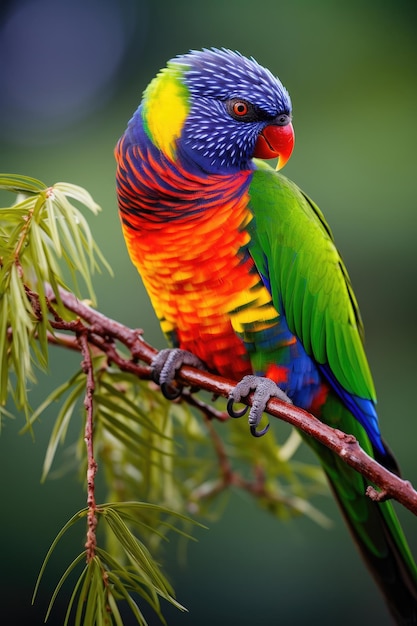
[(374, 526)]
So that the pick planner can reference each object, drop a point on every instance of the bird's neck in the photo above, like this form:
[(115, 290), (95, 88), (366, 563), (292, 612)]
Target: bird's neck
[(154, 189)]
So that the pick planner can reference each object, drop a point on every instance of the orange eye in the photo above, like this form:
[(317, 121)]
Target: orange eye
[(240, 108)]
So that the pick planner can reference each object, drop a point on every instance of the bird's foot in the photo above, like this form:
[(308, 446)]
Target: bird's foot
[(264, 389), (165, 365)]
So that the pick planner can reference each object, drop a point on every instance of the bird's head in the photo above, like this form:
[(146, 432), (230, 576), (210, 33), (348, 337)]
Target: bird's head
[(217, 110)]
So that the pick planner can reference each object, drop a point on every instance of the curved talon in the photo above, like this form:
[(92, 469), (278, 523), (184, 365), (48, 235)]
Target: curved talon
[(170, 392), (259, 433), (234, 413)]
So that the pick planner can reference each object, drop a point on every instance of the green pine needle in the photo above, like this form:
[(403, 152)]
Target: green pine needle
[(104, 581), (44, 238)]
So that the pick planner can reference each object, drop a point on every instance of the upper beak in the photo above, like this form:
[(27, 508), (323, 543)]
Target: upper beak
[(275, 141)]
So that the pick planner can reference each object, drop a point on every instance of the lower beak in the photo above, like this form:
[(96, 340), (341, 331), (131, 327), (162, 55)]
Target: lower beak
[(275, 142)]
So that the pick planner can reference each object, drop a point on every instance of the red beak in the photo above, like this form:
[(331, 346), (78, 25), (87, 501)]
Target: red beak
[(275, 142)]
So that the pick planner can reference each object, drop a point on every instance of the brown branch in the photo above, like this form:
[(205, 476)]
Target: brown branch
[(91, 540), (103, 332)]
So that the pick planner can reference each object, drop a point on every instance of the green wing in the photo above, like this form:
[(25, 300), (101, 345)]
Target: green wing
[(293, 248)]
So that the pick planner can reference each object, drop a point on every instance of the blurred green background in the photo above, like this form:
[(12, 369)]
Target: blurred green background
[(71, 76)]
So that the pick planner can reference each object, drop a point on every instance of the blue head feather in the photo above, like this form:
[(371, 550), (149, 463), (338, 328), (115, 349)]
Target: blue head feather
[(211, 138)]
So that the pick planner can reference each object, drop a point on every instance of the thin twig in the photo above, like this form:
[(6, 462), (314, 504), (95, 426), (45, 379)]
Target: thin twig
[(210, 412), (91, 540)]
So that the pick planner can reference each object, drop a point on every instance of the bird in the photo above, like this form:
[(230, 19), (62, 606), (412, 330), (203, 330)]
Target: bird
[(244, 275)]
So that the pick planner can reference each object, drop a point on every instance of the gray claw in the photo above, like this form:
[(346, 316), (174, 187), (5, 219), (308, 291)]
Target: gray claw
[(264, 389), (165, 365)]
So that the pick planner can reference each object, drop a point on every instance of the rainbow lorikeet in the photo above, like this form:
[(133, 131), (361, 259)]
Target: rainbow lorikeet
[(243, 272)]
